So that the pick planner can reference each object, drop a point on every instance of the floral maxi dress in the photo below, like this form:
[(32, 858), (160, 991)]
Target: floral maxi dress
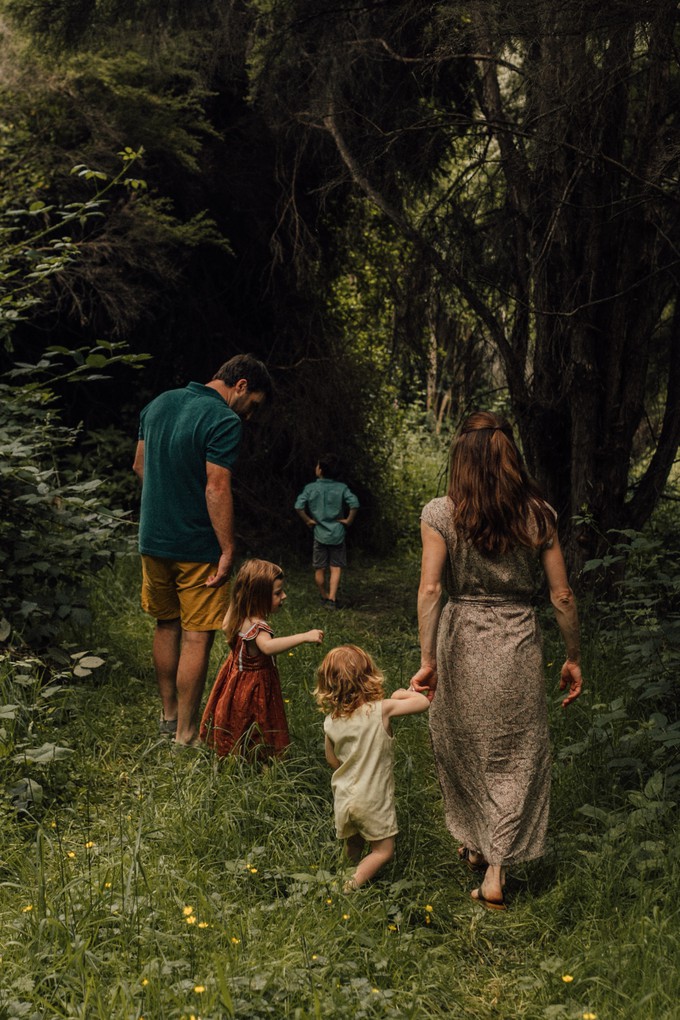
[(488, 719)]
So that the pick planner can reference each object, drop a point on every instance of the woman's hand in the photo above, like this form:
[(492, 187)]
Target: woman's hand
[(424, 681), (571, 678)]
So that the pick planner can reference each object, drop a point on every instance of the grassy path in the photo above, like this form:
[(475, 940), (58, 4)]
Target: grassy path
[(147, 884)]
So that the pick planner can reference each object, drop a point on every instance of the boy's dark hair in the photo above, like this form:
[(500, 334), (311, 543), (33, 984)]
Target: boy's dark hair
[(330, 465), (245, 366)]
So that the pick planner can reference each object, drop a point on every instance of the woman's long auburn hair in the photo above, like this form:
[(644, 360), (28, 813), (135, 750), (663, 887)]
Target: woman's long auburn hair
[(495, 503), (251, 595), (346, 679)]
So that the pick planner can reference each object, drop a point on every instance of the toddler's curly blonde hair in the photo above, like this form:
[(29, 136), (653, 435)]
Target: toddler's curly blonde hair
[(346, 679)]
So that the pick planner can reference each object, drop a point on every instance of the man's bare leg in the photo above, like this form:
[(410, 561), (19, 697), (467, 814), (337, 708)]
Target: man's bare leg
[(166, 650), (191, 674)]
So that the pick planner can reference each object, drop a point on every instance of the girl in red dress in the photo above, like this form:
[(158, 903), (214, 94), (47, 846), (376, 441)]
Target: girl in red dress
[(244, 713)]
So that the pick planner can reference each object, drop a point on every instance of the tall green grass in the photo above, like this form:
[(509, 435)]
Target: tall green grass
[(150, 884)]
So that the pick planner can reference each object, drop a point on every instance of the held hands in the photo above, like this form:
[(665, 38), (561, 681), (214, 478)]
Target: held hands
[(425, 681), (571, 678)]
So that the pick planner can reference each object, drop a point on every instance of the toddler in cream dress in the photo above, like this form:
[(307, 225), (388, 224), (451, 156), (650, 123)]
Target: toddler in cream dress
[(359, 749)]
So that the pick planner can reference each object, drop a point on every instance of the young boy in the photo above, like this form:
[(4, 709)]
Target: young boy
[(328, 506)]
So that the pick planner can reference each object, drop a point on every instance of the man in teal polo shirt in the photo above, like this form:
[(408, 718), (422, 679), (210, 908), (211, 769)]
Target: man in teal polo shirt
[(188, 446)]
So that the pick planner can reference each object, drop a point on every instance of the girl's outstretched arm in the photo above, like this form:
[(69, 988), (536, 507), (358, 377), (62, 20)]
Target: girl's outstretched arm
[(274, 646), (403, 702)]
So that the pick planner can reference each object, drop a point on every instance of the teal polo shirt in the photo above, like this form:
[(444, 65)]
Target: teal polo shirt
[(182, 429), (325, 500)]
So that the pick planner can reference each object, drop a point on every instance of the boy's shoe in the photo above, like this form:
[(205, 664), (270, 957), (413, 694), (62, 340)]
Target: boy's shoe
[(167, 727), (330, 604)]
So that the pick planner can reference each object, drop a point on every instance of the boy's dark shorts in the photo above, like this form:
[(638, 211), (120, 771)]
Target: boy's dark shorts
[(329, 555)]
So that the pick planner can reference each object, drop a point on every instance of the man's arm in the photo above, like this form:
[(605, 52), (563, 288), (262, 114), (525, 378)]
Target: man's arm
[(218, 500), (138, 463)]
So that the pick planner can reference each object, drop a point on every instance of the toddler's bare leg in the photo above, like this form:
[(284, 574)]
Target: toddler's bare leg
[(382, 851)]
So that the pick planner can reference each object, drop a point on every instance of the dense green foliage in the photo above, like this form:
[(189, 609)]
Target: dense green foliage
[(55, 532), (141, 883), (446, 205), (523, 154)]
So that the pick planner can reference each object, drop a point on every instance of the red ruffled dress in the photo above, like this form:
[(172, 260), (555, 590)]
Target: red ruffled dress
[(244, 713)]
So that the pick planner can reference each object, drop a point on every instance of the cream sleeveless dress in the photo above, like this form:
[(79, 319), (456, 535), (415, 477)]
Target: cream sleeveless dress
[(363, 785)]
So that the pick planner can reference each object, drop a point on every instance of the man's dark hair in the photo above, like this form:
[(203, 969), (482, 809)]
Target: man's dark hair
[(245, 366), (330, 465)]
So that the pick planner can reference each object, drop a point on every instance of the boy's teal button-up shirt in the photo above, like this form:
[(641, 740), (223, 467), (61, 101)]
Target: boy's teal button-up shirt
[(325, 500)]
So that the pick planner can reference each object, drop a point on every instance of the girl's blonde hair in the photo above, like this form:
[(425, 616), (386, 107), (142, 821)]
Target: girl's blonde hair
[(251, 595), (346, 679)]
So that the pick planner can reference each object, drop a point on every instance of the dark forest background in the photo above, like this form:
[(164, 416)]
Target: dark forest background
[(408, 211)]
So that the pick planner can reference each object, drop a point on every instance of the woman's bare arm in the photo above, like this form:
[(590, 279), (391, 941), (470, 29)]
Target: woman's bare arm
[(566, 614), (429, 605)]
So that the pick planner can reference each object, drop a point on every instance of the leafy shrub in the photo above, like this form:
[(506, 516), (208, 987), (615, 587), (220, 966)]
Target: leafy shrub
[(54, 532)]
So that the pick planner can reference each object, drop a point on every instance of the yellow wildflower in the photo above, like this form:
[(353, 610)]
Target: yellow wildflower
[(71, 854), (191, 919), (345, 917), (203, 924), (234, 940), (25, 910), (199, 989), (187, 911), (567, 978), (590, 1016), (391, 927), (145, 982), (107, 885), (329, 901), (89, 844), (253, 871), (429, 908)]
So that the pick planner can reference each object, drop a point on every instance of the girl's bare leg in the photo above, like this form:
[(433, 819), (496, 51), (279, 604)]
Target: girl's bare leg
[(382, 851)]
